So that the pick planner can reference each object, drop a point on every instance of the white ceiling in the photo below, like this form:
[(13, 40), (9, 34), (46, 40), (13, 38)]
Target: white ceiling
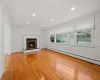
[(58, 10)]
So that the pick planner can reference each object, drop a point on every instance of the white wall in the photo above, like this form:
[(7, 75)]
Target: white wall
[(6, 33), (4, 37), (18, 34), (1, 41), (89, 52)]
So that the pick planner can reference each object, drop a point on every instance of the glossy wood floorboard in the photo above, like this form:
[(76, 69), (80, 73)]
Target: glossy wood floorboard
[(48, 65)]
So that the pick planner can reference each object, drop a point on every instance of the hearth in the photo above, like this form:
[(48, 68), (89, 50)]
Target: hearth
[(31, 43)]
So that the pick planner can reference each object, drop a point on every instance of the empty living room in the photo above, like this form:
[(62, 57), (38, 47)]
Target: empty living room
[(49, 39)]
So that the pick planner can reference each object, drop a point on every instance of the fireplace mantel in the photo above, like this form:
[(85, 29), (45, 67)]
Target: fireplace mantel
[(36, 37)]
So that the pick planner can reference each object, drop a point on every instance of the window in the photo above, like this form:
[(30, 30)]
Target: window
[(59, 38), (62, 38), (72, 38), (66, 37), (78, 33), (52, 38), (62, 34), (84, 37)]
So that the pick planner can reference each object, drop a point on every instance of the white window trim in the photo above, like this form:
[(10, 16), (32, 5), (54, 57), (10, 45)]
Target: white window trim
[(75, 44)]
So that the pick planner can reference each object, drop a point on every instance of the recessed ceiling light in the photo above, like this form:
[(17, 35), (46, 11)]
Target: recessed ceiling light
[(41, 25), (28, 22), (33, 15), (51, 20), (73, 8)]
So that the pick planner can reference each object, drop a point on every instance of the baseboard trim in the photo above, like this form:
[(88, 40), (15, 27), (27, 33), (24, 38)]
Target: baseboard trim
[(77, 56)]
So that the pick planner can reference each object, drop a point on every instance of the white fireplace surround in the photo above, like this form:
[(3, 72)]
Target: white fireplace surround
[(36, 37)]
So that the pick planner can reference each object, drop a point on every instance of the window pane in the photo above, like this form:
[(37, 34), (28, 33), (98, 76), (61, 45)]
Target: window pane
[(52, 38), (62, 38), (59, 38), (66, 37), (84, 37), (72, 38)]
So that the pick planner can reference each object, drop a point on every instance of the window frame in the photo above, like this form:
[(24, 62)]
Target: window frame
[(75, 38), (86, 45), (50, 36), (63, 36)]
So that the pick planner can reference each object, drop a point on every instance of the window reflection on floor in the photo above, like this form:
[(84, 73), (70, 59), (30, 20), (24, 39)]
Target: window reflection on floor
[(64, 71), (67, 72), (84, 76)]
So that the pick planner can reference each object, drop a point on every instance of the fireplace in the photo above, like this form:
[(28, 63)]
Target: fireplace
[(31, 43)]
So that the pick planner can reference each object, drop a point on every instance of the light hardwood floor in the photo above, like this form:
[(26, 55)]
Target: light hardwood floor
[(48, 65)]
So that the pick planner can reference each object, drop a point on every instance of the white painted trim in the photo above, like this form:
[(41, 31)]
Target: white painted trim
[(35, 50), (36, 37)]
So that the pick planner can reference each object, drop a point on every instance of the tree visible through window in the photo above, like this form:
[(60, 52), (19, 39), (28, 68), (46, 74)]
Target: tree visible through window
[(59, 38), (52, 38), (62, 38), (84, 37)]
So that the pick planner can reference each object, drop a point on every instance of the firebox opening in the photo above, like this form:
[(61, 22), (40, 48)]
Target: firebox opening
[(31, 43)]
